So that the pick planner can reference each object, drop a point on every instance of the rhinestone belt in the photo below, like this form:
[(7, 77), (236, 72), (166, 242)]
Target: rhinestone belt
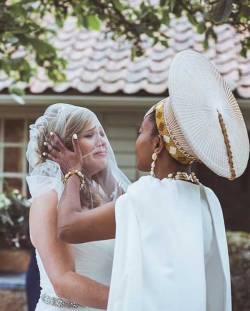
[(58, 302)]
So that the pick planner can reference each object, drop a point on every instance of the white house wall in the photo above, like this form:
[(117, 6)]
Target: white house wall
[(120, 123)]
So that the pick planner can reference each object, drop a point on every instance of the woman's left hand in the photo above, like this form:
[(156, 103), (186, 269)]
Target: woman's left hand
[(58, 152)]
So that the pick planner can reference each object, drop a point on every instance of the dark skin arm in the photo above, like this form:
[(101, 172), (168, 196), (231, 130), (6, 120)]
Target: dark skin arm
[(76, 223)]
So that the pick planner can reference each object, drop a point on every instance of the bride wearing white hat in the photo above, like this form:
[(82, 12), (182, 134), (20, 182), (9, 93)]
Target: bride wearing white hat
[(171, 249)]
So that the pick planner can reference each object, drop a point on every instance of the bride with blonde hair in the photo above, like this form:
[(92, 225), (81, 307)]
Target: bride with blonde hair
[(71, 276)]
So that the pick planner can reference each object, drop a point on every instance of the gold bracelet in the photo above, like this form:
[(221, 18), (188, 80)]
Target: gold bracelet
[(79, 174)]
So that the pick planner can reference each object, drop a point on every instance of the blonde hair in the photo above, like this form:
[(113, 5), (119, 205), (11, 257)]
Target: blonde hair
[(66, 120)]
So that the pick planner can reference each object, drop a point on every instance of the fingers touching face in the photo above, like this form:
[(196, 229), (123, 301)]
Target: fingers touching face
[(90, 146), (54, 147)]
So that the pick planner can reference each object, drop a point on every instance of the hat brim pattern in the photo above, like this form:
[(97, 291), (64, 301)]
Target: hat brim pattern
[(198, 95)]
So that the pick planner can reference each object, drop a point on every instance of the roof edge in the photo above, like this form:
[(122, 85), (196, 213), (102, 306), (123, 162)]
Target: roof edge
[(83, 100), (93, 100)]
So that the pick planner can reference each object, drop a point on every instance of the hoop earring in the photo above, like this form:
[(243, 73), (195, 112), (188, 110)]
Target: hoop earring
[(154, 158)]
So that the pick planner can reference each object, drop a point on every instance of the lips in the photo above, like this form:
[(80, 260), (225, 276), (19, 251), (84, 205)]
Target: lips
[(101, 153)]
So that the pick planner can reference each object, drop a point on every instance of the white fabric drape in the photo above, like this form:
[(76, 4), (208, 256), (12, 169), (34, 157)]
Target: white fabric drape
[(170, 249)]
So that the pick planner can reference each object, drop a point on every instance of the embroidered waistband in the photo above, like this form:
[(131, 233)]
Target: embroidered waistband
[(58, 302)]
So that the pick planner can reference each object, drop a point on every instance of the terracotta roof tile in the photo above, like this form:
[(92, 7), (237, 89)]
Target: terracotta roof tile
[(97, 62)]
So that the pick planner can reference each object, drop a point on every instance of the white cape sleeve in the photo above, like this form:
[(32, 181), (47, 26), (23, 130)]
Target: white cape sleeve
[(159, 262)]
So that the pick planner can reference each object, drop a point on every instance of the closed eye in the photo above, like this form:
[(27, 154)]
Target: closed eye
[(89, 135)]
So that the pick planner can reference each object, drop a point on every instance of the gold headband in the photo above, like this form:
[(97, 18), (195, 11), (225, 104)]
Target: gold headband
[(171, 144)]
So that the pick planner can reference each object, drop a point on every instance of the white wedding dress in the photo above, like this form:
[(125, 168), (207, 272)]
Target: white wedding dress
[(93, 259)]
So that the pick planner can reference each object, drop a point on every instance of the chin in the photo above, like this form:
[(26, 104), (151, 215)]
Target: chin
[(96, 166), (101, 165)]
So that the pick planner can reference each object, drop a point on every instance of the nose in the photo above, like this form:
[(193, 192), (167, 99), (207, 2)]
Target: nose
[(102, 141)]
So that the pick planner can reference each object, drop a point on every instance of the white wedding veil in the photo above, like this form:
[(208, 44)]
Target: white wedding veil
[(45, 175)]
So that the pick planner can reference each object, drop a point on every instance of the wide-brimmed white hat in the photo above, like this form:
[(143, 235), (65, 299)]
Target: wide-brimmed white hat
[(204, 117)]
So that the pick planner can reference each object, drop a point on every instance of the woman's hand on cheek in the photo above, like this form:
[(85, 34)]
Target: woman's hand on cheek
[(67, 159)]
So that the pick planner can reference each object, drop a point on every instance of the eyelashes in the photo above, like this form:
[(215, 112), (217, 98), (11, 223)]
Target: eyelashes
[(90, 135)]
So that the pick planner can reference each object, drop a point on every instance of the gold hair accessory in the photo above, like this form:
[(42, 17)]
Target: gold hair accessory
[(79, 174), (172, 145)]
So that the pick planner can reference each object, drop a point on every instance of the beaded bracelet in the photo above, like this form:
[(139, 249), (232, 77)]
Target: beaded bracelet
[(79, 174)]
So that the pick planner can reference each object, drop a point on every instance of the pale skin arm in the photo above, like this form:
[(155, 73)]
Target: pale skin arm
[(58, 259)]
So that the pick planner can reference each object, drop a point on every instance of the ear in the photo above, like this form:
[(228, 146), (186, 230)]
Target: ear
[(158, 144)]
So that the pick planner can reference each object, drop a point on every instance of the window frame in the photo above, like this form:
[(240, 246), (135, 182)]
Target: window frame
[(22, 145)]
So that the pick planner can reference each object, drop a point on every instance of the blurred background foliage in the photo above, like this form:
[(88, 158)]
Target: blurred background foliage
[(22, 28)]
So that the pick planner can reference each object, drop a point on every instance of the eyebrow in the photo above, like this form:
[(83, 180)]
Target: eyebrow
[(93, 128)]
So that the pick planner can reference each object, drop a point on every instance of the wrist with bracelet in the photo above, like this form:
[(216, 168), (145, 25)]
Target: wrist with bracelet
[(77, 173)]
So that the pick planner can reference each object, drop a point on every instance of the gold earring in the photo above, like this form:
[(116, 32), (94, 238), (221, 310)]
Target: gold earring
[(154, 158)]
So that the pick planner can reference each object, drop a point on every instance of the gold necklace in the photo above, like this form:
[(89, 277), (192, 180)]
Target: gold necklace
[(184, 176)]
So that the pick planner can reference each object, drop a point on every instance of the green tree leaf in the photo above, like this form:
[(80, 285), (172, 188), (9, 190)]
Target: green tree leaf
[(222, 10), (201, 27), (118, 5), (163, 2), (22, 26), (93, 22)]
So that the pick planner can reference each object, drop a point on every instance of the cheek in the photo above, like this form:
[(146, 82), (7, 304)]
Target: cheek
[(138, 145), (86, 146), (143, 153)]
